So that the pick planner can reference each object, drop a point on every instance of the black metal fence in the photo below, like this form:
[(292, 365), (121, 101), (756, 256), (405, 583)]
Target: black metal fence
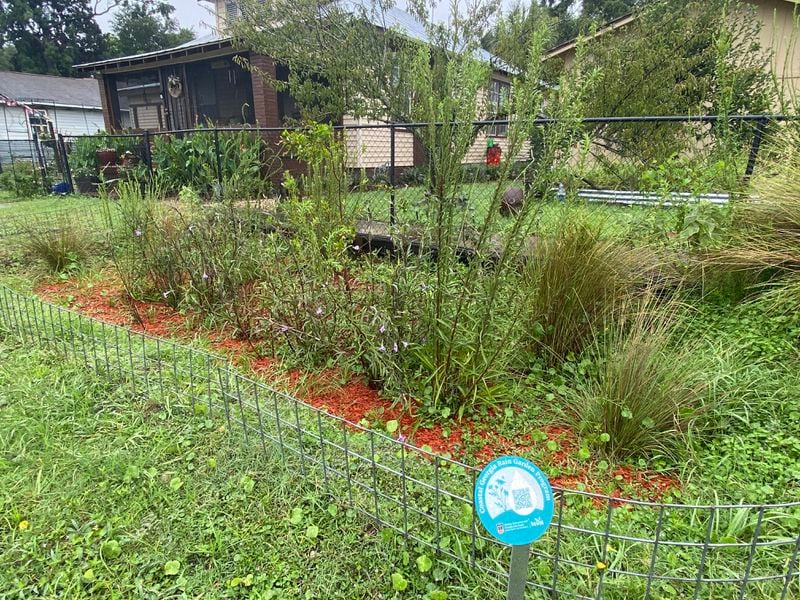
[(598, 546), (388, 163)]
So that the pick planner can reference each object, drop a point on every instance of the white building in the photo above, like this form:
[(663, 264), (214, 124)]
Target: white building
[(47, 105)]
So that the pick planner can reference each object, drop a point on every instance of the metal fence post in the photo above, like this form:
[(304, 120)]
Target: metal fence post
[(62, 150), (148, 157), (392, 175), (219, 158), (758, 136)]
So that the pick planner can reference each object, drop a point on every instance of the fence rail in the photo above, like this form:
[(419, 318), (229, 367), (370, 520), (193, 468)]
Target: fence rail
[(387, 160), (599, 546)]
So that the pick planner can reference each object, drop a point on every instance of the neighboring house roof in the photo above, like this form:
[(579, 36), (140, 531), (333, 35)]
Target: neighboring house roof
[(50, 90), (612, 25), (408, 24), (392, 18)]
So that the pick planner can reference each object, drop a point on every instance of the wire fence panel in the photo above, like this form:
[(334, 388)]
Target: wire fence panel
[(89, 219), (597, 547)]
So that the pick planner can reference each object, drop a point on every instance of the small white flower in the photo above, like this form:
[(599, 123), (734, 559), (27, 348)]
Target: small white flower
[(405, 344), (356, 247), (382, 348), (382, 329), (394, 347), (318, 312), (137, 232), (205, 275)]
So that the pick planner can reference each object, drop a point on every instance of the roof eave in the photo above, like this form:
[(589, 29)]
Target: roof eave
[(152, 57)]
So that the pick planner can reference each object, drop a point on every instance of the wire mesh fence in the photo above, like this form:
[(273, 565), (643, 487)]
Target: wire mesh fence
[(653, 158), (598, 546)]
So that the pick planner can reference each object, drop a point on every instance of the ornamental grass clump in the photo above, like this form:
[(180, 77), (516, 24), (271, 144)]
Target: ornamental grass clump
[(576, 280), (768, 241), (62, 246), (651, 389)]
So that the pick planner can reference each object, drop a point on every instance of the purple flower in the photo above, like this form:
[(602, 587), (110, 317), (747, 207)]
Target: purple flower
[(205, 275), (318, 312), (381, 348), (284, 328), (423, 287), (394, 347), (401, 438), (382, 329), (137, 232)]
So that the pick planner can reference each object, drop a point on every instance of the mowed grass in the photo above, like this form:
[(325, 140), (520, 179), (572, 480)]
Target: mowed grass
[(104, 494), (412, 207), (11, 205)]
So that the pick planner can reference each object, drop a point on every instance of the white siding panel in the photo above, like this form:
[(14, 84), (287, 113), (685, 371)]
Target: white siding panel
[(73, 121)]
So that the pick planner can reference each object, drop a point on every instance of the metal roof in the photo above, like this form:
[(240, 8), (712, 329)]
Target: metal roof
[(212, 39), (391, 18), (50, 90)]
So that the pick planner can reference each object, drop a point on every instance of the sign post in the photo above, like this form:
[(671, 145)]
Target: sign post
[(514, 502)]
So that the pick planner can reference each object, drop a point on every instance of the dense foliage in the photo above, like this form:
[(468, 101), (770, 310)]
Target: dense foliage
[(49, 36)]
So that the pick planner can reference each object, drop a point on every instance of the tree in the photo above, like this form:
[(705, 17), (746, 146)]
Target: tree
[(49, 36), (606, 10), (145, 26), (677, 57), (351, 57)]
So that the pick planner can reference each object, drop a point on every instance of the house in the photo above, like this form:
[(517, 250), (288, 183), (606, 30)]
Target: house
[(779, 28), (48, 105), (39, 107), (201, 80)]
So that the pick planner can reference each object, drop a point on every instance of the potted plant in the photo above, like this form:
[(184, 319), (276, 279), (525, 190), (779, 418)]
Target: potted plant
[(129, 159), (83, 163), (106, 157)]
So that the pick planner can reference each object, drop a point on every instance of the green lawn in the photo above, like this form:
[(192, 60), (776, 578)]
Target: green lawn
[(410, 207), (9, 205), (105, 494)]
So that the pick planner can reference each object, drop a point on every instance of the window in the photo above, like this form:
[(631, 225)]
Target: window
[(499, 94), (40, 124), (231, 11), (138, 100)]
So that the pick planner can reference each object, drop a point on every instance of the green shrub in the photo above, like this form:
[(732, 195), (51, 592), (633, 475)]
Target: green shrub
[(21, 179), (62, 246), (83, 158), (191, 160)]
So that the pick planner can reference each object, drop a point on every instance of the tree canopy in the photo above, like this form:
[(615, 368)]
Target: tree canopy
[(49, 36), (145, 26), (355, 58)]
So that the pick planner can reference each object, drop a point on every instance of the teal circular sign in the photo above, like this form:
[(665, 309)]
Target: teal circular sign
[(514, 500)]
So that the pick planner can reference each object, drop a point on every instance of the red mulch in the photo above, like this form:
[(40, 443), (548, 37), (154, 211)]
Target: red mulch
[(354, 400)]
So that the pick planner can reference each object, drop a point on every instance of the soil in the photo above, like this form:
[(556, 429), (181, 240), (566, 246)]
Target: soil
[(352, 399)]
